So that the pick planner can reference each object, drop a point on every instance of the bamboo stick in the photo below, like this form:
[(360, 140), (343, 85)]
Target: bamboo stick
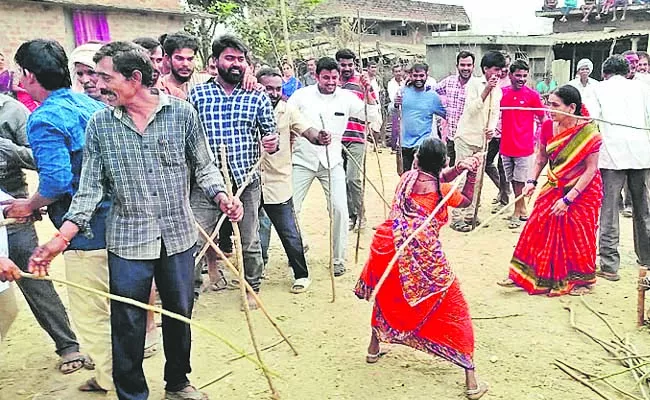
[(620, 372), (270, 346), (608, 383), (222, 219), (419, 230), (159, 310), (582, 381), (242, 277), (347, 152), (362, 210), (602, 318), (215, 380), (580, 117), (640, 301), (481, 173), (330, 212), (235, 271), (498, 213)]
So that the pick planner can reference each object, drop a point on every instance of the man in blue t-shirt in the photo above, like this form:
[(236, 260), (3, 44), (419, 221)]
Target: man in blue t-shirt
[(419, 106)]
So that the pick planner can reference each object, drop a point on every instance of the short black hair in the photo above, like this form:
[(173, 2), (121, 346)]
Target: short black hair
[(432, 156), (616, 65), (150, 44), (465, 54), (180, 40), (268, 72), (345, 54), (47, 60), (372, 64), (643, 54), (519, 64), (396, 66), (629, 52), (327, 64), (420, 67), (127, 58), (493, 59), (228, 42)]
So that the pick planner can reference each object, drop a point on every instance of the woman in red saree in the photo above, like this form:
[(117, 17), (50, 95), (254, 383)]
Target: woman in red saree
[(420, 304), (556, 253)]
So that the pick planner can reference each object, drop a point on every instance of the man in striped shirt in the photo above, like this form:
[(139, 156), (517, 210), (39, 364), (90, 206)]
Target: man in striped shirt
[(355, 133)]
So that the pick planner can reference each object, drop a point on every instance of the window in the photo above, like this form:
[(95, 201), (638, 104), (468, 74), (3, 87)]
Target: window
[(371, 29), (399, 32)]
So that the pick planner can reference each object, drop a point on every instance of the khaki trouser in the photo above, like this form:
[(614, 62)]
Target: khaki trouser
[(463, 151), (9, 310), (91, 314)]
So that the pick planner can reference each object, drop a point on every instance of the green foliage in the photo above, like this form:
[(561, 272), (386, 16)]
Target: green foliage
[(259, 23)]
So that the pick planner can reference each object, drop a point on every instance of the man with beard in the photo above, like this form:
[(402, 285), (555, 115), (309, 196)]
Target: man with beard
[(333, 106), (480, 111), (419, 108), (180, 53), (354, 137), (642, 67), (276, 180), (83, 70), (518, 135), (142, 151), (56, 133), (452, 88), (239, 119), (157, 57)]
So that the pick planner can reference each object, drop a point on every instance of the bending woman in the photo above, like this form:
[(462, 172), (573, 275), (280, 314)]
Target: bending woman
[(556, 253), (420, 304)]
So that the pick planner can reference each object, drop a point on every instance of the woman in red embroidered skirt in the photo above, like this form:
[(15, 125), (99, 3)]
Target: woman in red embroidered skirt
[(420, 304), (556, 253)]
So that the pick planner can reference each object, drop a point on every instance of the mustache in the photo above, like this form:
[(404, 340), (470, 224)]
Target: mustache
[(107, 92)]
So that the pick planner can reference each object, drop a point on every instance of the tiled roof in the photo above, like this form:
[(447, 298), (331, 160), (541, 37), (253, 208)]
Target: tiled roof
[(595, 36), (395, 10)]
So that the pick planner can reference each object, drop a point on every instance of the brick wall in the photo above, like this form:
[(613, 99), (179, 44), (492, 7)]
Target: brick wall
[(22, 22)]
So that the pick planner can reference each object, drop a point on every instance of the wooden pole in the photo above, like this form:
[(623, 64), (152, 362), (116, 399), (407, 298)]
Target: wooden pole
[(147, 307), (249, 288), (330, 212), (640, 301), (347, 152), (408, 240), (242, 278), (477, 195)]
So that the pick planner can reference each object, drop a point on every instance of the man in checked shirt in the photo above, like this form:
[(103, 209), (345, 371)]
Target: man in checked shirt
[(239, 119), (141, 151)]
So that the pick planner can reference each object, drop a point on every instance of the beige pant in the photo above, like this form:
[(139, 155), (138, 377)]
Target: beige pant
[(9, 310), (464, 150), (90, 314)]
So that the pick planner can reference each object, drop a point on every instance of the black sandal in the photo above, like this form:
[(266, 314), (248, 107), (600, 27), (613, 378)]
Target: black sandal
[(461, 226)]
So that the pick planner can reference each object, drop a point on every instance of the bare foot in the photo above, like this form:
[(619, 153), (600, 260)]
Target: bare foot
[(252, 304)]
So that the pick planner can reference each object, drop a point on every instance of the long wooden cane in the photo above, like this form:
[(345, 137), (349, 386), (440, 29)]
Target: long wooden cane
[(242, 277), (398, 141), (356, 163), (482, 167), (362, 206), (330, 212), (640, 302)]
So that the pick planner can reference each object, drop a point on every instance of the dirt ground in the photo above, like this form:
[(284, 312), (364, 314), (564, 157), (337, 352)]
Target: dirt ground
[(514, 355)]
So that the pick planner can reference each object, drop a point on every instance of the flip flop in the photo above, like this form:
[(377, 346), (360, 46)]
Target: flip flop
[(610, 276), (91, 386), (523, 218), (506, 283), (475, 394), (84, 362), (515, 223), (461, 226), (580, 291)]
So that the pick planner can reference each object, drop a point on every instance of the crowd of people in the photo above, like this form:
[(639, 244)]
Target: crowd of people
[(128, 141)]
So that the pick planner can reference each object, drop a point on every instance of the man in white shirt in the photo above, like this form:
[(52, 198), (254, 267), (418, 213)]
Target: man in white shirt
[(585, 84), (480, 110), (624, 157), (326, 103)]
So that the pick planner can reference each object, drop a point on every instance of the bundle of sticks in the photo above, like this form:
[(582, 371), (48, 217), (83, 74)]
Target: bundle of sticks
[(620, 350)]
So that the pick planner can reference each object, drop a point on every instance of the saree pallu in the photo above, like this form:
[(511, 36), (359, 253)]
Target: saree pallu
[(557, 253), (435, 322)]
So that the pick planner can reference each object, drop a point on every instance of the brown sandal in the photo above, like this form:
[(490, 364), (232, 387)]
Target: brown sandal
[(91, 385)]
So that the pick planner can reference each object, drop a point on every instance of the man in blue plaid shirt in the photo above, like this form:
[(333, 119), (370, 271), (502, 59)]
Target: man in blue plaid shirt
[(239, 119)]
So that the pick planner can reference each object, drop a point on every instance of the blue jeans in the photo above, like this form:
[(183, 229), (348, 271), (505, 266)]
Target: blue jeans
[(132, 278), (283, 218)]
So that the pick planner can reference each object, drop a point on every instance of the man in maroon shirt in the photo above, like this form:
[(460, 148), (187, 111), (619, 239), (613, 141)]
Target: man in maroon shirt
[(517, 134)]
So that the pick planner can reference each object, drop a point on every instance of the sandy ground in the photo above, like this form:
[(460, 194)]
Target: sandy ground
[(513, 354)]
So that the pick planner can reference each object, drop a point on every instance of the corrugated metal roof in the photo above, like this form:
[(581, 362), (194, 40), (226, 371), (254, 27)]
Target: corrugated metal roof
[(592, 37), (395, 10)]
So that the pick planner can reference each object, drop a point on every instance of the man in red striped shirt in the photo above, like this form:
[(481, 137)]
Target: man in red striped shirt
[(355, 133)]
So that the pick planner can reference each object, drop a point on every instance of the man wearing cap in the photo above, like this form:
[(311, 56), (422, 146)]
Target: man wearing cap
[(584, 83)]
